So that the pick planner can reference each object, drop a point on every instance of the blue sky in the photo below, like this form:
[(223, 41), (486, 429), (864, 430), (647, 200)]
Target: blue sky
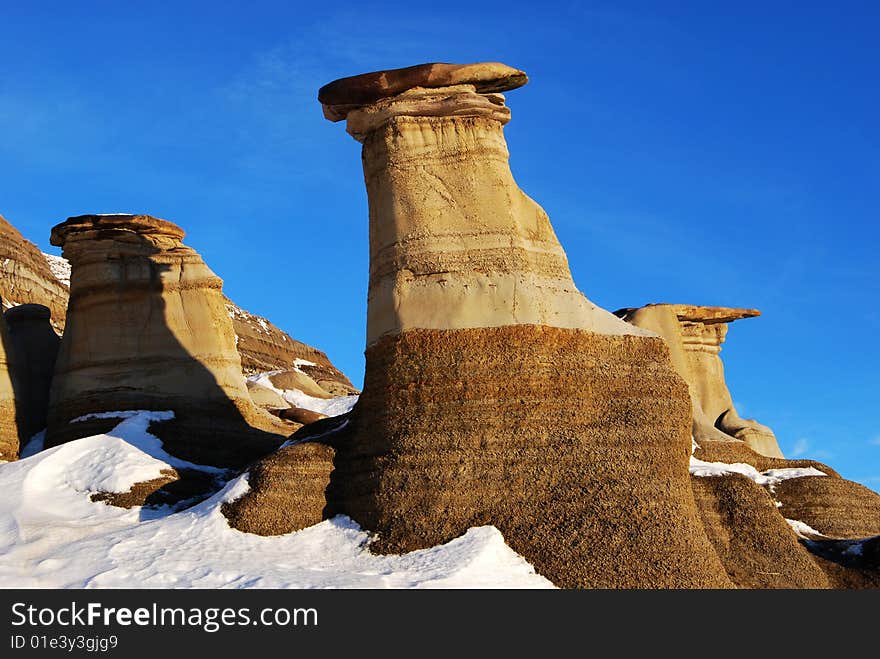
[(696, 154)]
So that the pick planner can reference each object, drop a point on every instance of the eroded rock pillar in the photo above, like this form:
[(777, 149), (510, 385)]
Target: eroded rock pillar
[(495, 392), (147, 328), (694, 335)]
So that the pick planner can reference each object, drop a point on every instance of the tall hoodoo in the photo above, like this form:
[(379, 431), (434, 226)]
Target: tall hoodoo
[(454, 243), (495, 392), (147, 328), (694, 335)]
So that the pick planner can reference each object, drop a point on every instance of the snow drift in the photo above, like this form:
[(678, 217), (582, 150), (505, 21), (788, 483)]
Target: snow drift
[(53, 535)]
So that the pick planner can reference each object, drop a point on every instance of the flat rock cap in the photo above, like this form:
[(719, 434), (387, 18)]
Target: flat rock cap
[(143, 224), (698, 314), (487, 77)]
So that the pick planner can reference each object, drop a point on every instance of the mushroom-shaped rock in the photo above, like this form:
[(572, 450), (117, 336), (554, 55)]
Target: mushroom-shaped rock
[(265, 397), (301, 415), (694, 335), (495, 392), (148, 328)]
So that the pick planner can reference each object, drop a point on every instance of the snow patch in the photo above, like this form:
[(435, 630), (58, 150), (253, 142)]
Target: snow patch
[(60, 268), (328, 406), (855, 549), (804, 531), (259, 323), (769, 478), (134, 431), (53, 536), (126, 414)]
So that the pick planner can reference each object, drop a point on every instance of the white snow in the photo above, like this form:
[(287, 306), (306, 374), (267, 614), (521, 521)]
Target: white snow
[(134, 431), (52, 534), (769, 478), (60, 267), (793, 472), (262, 325), (126, 414), (802, 530), (329, 406)]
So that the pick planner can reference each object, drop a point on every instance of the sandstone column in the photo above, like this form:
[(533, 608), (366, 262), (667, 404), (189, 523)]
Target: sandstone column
[(694, 335), (495, 392), (147, 328)]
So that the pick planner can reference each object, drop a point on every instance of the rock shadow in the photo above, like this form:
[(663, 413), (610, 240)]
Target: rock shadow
[(31, 347), (119, 352)]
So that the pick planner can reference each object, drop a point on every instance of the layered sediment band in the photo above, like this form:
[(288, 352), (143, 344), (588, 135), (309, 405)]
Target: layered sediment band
[(454, 242), (694, 335), (574, 444), (148, 328)]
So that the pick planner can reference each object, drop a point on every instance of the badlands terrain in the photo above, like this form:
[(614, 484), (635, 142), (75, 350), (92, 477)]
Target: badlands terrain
[(510, 433)]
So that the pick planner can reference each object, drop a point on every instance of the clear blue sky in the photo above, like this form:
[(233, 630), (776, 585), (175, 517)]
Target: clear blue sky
[(692, 154)]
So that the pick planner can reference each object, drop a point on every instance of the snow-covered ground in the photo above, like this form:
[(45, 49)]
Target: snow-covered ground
[(53, 535)]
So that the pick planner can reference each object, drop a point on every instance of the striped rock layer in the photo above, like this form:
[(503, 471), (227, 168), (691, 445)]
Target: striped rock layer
[(454, 242), (495, 392), (147, 328), (694, 335), (574, 444), (26, 276)]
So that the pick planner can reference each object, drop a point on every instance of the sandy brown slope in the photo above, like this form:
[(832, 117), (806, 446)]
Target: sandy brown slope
[(835, 507), (25, 275), (755, 544)]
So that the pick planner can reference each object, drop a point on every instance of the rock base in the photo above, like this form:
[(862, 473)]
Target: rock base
[(286, 491), (574, 444)]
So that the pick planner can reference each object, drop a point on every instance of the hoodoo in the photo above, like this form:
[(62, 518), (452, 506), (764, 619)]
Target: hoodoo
[(694, 335), (495, 392), (148, 329)]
